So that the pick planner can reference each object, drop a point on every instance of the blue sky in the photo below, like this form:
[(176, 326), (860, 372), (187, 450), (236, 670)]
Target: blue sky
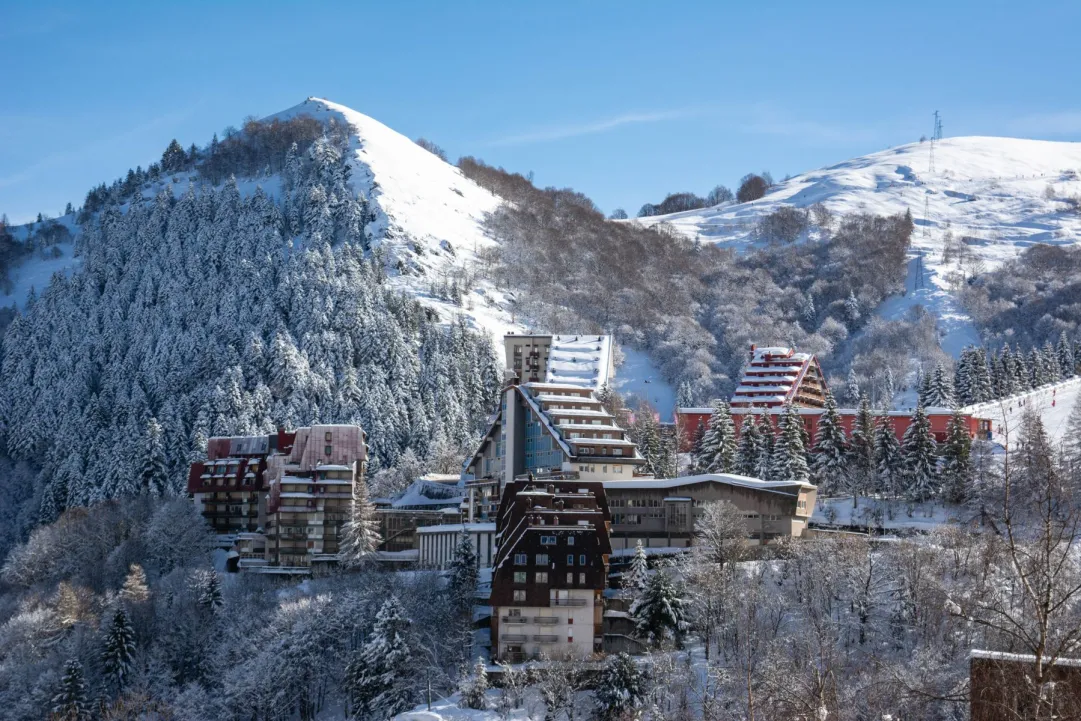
[(623, 101)]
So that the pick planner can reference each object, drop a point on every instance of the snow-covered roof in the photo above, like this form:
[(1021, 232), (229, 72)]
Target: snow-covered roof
[(725, 478), (459, 528), (582, 360), (428, 493)]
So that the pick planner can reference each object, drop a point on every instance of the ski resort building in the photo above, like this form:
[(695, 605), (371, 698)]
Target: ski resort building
[(437, 544), (310, 482), (661, 513), (690, 422), (544, 428), (424, 503), (777, 376), (580, 360), (551, 569)]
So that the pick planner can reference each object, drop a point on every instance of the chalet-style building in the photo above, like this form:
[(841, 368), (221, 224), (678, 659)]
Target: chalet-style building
[(545, 428), (550, 570), (311, 481), (581, 360), (777, 376), (661, 513)]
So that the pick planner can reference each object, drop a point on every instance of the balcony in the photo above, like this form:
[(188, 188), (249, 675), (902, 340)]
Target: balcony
[(568, 602), (543, 638), (514, 619), (513, 638), (546, 620)]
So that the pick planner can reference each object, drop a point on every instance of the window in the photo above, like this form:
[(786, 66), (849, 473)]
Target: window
[(570, 540), (582, 560), (604, 469), (516, 612), (328, 450), (519, 596), (520, 559), (548, 540), (570, 559), (542, 559), (570, 621), (617, 469), (582, 579), (327, 437), (519, 576), (570, 579), (541, 577)]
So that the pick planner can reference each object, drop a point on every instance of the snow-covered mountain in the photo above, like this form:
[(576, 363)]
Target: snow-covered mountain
[(997, 196)]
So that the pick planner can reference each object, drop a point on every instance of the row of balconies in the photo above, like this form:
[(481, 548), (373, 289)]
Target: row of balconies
[(538, 620), (522, 638)]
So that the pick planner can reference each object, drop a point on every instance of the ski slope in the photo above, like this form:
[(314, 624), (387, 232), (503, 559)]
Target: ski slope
[(1052, 403), (992, 194)]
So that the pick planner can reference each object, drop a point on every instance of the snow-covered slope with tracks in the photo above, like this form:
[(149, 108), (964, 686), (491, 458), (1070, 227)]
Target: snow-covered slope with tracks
[(997, 196)]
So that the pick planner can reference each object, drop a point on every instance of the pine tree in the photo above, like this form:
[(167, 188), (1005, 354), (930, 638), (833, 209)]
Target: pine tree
[(380, 679), (940, 389), (154, 478), (889, 389), (1065, 356), (982, 388), (622, 688), (750, 447), (828, 464), (119, 652), (1052, 371), (718, 454), (474, 689), (462, 585), (923, 386), (889, 460), (852, 387), (852, 309), (634, 580), (1037, 369), (957, 466), (684, 396), (861, 450), (71, 702), (764, 466), (919, 450), (789, 462), (659, 612), (360, 534), (174, 158), (809, 314), (135, 588), (208, 590), (962, 378)]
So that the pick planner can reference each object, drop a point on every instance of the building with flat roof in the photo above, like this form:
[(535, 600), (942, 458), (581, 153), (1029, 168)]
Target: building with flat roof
[(437, 544), (661, 513), (582, 360)]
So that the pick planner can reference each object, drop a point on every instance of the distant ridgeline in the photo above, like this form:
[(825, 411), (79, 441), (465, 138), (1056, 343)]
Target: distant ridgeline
[(206, 313)]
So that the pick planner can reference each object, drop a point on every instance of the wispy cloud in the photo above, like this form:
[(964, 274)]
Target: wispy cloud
[(1060, 122), (562, 132)]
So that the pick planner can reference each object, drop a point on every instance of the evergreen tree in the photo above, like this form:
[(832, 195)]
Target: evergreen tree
[(1052, 371), (919, 450), (852, 387), (889, 389), (982, 389), (852, 309), (809, 314), (380, 679), (718, 453), (940, 389), (208, 590), (1071, 441), (71, 702), (685, 396), (861, 450), (154, 478), (637, 574), (475, 688), (119, 652), (648, 437), (828, 464), (764, 466), (174, 158), (789, 462), (923, 386), (957, 466), (750, 447), (962, 378), (1065, 356), (360, 534), (889, 459), (1037, 369), (622, 688), (659, 612), (462, 586)]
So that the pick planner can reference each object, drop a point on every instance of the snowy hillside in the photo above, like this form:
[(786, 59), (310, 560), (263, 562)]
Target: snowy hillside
[(996, 196)]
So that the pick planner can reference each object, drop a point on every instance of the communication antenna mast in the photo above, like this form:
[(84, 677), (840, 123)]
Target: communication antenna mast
[(936, 135)]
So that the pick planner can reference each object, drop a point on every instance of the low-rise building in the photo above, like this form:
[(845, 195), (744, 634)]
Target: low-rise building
[(438, 544), (423, 503), (550, 571), (661, 513)]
